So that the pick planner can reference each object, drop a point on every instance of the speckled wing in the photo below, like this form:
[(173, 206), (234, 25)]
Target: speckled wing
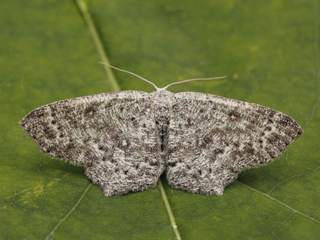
[(112, 134), (212, 139)]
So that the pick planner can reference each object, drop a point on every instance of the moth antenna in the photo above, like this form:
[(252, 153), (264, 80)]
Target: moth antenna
[(169, 85), (133, 74), (194, 79)]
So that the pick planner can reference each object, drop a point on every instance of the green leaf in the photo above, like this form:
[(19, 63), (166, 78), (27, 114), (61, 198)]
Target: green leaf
[(268, 49)]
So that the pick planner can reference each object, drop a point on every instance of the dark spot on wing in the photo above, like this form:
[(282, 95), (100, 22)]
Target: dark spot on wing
[(268, 128), (234, 116), (218, 151)]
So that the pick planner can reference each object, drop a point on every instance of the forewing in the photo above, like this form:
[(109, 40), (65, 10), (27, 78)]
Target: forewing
[(212, 138), (112, 134)]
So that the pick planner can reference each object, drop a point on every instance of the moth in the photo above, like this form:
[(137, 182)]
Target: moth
[(127, 139)]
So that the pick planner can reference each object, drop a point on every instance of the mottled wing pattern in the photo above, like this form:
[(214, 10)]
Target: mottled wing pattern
[(112, 134), (212, 138)]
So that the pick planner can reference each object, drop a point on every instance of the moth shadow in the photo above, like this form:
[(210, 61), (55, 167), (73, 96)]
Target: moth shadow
[(64, 171), (253, 176)]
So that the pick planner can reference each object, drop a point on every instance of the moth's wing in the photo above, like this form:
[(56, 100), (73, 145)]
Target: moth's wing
[(112, 134), (212, 138)]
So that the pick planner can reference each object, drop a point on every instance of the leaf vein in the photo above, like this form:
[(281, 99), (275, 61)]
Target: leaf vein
[(283, 204), (69, 213)]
